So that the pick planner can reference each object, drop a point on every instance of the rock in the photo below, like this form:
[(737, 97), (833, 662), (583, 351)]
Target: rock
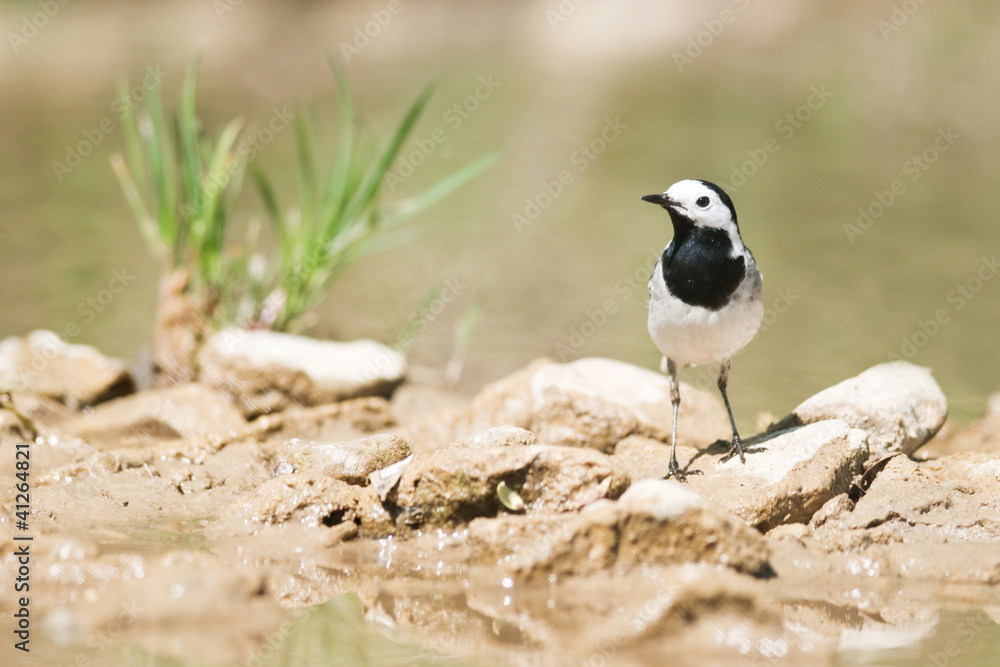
[(654, 522), (835, 508), (506, 401), (439, 430), (385, 480), (662, 517), (77, 375), (918, 522), (587, 403), (979, 436), (596, 402), (412, 402), (796, 472), (310, 501), (978, 472), (266, 371), (27, 417), (498, 436), (641, 457), (181, 411), (898, 404), (454, 486), (788, 531), (332, 422), (952, 500), (42, 410), (351, 461)]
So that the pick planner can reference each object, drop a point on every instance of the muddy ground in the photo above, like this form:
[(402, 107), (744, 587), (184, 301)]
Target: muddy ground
[(527, 525)]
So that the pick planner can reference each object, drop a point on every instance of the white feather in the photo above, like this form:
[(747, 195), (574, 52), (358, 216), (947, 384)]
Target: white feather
[(695, 335)]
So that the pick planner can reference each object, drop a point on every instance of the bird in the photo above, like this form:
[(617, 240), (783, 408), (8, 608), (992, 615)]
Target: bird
[(705, 294)]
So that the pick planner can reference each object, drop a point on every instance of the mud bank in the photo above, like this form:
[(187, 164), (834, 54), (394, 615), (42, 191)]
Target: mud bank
[(231, 522)]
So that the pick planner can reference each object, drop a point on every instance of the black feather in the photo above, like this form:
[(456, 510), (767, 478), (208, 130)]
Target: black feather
[(698, 265)]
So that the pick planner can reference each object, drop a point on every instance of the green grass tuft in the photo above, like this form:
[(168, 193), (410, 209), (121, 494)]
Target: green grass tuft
[(181, 186), (340, 210)]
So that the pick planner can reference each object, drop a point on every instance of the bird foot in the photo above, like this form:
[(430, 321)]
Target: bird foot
[(680, 475), (737, 449)]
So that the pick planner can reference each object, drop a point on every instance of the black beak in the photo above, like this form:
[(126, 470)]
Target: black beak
[(660, 200)]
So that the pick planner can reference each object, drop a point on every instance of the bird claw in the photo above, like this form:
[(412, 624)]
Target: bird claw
[(734, 449), (678, 474), (737, 448)]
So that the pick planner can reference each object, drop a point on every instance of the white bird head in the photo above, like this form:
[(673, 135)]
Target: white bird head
[(698, 203)]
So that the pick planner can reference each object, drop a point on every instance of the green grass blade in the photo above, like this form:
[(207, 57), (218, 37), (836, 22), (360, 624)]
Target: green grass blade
[(190, 156), (392, 239), (223, 166), (221, 176), (158, 144), (340, 220), (269, 198), (306, 138), (147, 225), (414, 205), (368, 190)]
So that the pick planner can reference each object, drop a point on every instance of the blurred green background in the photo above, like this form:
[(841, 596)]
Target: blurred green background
[(804, 112)]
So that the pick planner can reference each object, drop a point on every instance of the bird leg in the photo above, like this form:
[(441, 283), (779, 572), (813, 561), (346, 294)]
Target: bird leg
[(737, 445), (675, 402)]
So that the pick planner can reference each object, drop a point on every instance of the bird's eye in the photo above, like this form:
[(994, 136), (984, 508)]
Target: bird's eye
[(702, 202)]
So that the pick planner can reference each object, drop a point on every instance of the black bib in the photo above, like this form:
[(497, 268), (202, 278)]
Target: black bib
[(698, 267)]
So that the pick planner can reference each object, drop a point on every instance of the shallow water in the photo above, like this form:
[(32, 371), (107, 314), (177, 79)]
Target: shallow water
[(820, 110)]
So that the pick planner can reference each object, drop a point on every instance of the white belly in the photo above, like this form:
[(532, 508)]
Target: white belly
[(695, 335)]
